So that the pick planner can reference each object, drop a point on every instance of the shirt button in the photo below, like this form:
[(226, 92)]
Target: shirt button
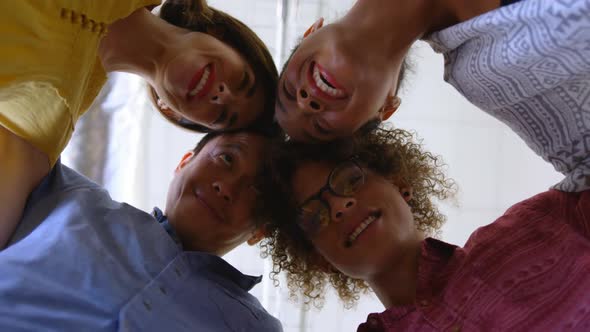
[(424, 303), (147, 305), (456, 328), (163, 290)]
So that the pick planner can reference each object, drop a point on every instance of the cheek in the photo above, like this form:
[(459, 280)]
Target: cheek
[(327, 244), (252, 108), (350, 120), (173, 195), (398, 223), (241, 214), (232, 65), (372, 94)]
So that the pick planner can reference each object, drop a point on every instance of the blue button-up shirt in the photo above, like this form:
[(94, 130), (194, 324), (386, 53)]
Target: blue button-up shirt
[(80, 261)]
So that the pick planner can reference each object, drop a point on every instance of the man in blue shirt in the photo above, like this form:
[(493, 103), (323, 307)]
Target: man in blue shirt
[(80, 261)]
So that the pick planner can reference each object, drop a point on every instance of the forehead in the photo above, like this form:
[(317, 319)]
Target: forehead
[(308, 178), (249, 145), (251, 108), (244, 142)]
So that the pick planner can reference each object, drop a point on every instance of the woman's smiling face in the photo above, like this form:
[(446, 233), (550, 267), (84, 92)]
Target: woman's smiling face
[(205, 81), (367, 230), (331, 87)]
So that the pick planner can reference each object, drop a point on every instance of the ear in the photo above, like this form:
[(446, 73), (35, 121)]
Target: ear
[(391, 105), (185, 159), (257, 236), (168, 112), (314, 27), (407, 193)]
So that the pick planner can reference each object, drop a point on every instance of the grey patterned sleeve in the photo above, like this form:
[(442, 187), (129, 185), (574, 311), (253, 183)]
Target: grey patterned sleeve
[(528, 65)]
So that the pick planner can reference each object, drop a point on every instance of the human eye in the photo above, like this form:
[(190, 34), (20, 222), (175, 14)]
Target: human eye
[(309, 222), (288, 94), (320, 128), (244, 81), (355, 179), (224, 158), (221, 117), (256, 190), (351, 184)]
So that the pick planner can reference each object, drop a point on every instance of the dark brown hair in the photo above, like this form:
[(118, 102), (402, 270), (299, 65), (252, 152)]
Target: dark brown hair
[(196, 15), (394, 154)]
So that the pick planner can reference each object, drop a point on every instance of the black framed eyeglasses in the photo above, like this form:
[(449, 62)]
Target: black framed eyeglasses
[(344, 180)]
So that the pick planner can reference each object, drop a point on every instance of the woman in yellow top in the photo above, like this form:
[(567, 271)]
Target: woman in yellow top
[(207, 71)]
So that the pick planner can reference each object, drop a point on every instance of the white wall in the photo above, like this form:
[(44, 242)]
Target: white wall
[(493, 168)]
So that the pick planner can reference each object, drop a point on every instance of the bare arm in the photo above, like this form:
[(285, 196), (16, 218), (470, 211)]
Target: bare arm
[(468, 9), (21, 170)]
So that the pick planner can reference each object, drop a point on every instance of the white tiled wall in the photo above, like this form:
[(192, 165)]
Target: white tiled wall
[(493, 168)]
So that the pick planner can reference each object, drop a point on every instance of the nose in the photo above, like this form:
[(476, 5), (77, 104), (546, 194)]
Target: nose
[(307, 103), (222, 95), (223, 190), (340, 206)]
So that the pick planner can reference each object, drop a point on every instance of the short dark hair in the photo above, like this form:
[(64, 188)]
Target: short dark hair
[(272, 132), (196, 15)]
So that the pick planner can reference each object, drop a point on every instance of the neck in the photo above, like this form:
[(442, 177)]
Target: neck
[(393, 26), (466, 9), (136, 43), (397, 284)]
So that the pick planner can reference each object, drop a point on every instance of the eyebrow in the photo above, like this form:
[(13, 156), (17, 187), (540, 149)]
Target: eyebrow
[(309, 137), (324, 132), (232, 120), (252, 89), (236, 147), (222, 116)]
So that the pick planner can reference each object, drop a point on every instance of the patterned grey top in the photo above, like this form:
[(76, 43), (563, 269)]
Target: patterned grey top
[(528, 65)]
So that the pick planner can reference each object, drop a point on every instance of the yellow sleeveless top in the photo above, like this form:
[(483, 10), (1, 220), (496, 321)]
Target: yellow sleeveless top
[(49, 68)]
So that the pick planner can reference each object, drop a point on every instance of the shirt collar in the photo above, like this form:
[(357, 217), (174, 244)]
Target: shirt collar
[(163, 220), (437, 263), (214, 264), (224, 270)]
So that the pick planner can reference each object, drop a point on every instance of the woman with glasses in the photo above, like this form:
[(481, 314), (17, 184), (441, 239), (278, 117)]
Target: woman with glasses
[(359, 215)]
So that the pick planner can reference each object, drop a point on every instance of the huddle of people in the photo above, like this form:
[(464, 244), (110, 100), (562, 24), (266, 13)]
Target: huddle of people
[(299, 162)]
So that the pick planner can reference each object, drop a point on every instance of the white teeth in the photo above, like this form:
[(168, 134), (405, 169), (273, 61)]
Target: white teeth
[(201, 84), (337, 93), (360, 228)]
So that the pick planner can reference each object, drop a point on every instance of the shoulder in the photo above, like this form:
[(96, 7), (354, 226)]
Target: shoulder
[(108, 11)]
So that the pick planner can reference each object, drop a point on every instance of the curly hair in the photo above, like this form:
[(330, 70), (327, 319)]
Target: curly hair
[(394, 154)]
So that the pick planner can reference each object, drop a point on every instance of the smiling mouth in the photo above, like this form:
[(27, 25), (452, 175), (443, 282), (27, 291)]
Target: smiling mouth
[(372, 217), (208, 207), (324, 83), (201, 82)]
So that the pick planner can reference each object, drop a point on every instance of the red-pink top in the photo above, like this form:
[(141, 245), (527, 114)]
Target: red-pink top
[(527, 271)]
